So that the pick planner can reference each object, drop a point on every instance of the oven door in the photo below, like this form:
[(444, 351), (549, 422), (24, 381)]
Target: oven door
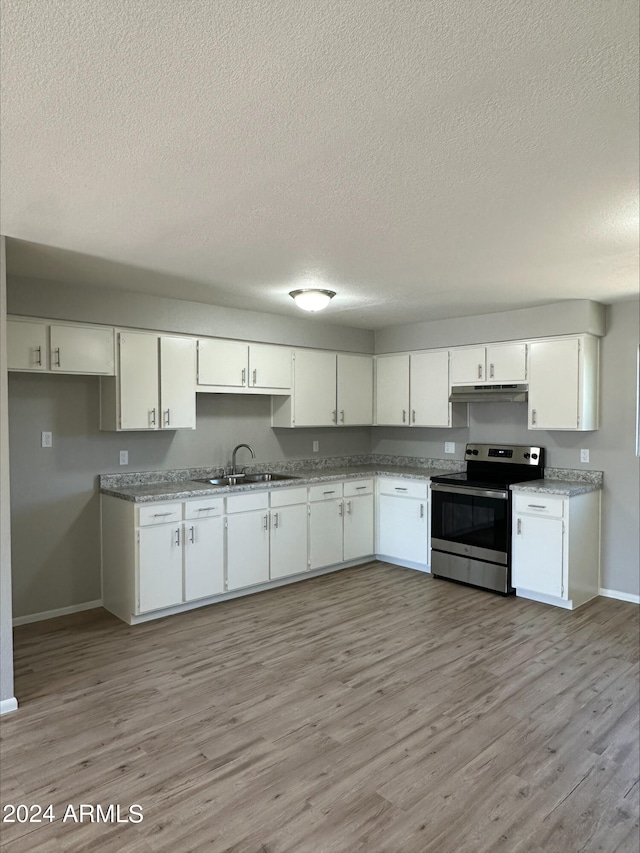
[(471, 522)]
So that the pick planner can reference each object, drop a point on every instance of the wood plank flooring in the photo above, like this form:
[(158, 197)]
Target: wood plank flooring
[(374, 710)]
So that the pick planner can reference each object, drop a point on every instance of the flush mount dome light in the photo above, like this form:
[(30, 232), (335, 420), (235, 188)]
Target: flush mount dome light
[(312, 298)]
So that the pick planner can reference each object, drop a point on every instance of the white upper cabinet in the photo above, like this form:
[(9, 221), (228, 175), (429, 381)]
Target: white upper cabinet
[(60, 348), (498, 363), (239, 367), (177, 383), (563, 384), (328, 390), (26, 345), (392, 390), (155, 385), (413, 390), (429, 389), (355, 390)]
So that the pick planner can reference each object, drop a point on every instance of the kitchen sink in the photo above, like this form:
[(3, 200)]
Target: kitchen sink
[(239, 479)]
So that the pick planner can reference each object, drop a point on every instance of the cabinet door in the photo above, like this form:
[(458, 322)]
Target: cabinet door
[(26, 345), (430, 389), (289, 541), (355, 389), (325, 533), (537, 561), (203, 558), (223, 363), (467, 366), (178, 383), (314, 399), (82, 349), (270, 367), (403, 529), (358, 527), (138, 381), (507, 363), (247, 549), (554, 384), (159, 567), (392, 390)]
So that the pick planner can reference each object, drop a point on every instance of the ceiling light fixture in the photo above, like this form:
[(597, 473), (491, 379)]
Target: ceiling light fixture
[(312, 298)]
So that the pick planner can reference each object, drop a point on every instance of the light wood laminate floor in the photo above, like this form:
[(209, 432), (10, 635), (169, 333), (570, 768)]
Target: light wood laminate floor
[(374, 710)]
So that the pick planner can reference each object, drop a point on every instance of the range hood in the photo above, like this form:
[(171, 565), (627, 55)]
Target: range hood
[(488, 394)]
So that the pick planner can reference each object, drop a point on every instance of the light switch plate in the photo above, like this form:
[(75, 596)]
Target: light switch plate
[(449, 447), (124, 457), (584, 455), (47, 439)]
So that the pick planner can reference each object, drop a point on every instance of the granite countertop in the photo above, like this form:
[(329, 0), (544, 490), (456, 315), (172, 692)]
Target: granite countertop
[(565, 488), (181, 488)]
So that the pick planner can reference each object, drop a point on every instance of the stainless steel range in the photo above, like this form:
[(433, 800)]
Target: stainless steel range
[(471, 514)]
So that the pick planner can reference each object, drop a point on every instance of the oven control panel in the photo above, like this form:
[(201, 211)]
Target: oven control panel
[(515, 454)]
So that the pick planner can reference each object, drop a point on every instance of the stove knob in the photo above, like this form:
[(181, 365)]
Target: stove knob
[(527, 455), (534, 455), (475, 452), (469, 451)]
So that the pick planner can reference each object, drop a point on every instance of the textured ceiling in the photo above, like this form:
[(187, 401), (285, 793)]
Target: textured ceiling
[(424, 158)]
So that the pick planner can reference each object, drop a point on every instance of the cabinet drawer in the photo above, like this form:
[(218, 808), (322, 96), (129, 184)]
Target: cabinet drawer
[(535, 504), (325, 492), (159, 514), (404, 488), (288, 496), (353, 488), (204, 508), (248, 502)]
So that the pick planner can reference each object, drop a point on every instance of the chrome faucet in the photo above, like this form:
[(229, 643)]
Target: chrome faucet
[(233, 456)]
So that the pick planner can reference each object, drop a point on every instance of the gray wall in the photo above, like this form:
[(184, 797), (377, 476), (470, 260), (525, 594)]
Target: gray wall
[(6, 630), (118, 308), (612, 447)]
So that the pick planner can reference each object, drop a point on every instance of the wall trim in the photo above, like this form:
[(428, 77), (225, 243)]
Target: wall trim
[(53, 614), (621, 596), (7, 705)]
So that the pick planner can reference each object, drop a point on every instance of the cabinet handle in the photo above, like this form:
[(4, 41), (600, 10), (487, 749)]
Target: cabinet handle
[(413, 416), (161, 514), (167, 417), (341, 416), (56, 353), (255, 376), (479, 371), (335, 416), (491, 371), (205, 508), (536, 506), (341, 509), (534, 417), (400, 488), (360, 488), (332, 492), (519, 527), (348, 507), (152, 417), (244, 375), (421, 510), (192, 535), (265, 522), (404, 416), (178, 536), (275, 519), (39, 356)]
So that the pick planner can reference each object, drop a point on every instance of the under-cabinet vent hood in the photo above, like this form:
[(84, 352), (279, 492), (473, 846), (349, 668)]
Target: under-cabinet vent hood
[(488, 394)]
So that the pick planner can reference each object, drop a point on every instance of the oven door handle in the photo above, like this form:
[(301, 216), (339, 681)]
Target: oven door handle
[(469, 490)]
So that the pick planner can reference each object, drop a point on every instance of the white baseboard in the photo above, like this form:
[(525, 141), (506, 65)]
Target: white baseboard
[(53, 614), (621, 596), (7, 705)]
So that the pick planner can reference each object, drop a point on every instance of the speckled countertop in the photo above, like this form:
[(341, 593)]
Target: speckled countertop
[(150, 486), (567, 482)]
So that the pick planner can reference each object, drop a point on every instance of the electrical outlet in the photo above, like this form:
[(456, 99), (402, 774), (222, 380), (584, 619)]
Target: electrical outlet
[(124, 457), (47, 439), (449, 447), (584, 455), (316, 446)]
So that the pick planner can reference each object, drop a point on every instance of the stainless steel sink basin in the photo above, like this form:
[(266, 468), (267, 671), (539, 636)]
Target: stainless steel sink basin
[(239, 479)]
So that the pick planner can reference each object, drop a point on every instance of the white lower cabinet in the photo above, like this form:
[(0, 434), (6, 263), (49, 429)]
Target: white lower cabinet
[(159, 567), (403, 522), (247, 540), (358, 520), (555, 547), (341, 522), (203, 556), (289, 538)]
